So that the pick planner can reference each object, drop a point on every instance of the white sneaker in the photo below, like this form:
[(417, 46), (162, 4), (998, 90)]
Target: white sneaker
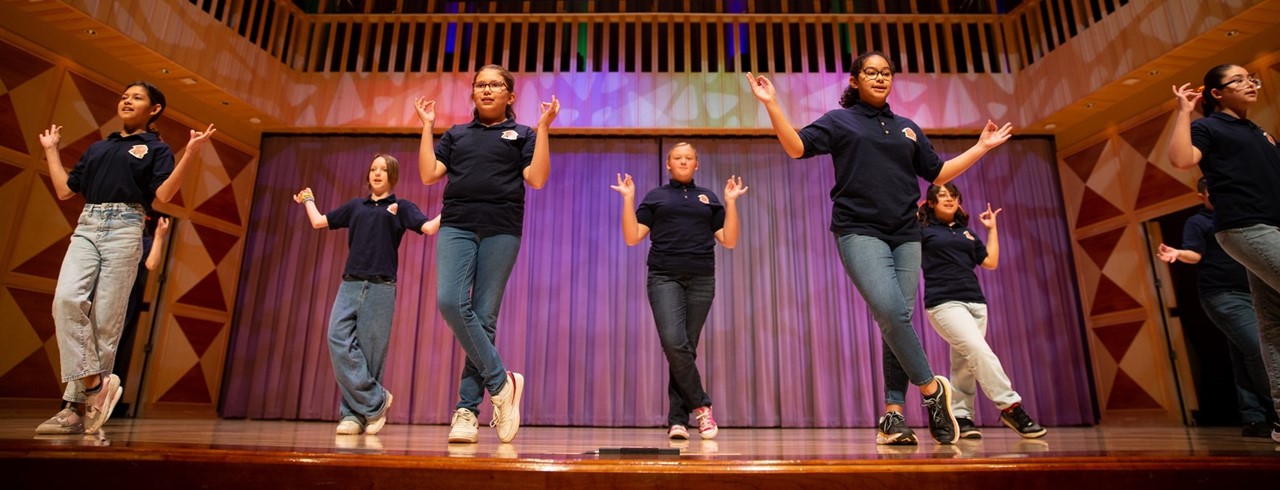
[(506, 407), (67, 421), (348, 427), (465, 427), (375, 425), (98, 407)]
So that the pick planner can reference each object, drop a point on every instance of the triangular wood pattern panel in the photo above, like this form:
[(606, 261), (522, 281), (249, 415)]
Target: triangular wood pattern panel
[(1083, 161), (191, 388), (1100, 247), (1094, 209), (1127, 394), (1158, 186), (1111, 298)]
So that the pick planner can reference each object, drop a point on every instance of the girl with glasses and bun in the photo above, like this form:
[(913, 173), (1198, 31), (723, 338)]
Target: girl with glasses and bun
[(1241, 164), (878, 156), (488, 162)]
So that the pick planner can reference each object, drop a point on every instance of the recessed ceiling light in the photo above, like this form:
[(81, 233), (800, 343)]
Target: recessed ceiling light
[(1233, 33), (91, 32), (1051, 126), (1153, 72), (226, 102), (1088, 105), (255, 120), (1131, 81), (187, 81), (164, 71)]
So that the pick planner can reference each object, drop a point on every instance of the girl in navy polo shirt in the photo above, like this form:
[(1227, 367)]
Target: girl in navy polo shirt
[(1241, 163), (878, 157), (957, 308), (360, 324), (119, 177), (686, 221), (488, 162)]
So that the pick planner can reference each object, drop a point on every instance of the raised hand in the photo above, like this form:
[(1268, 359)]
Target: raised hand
[(304, 195), (1167, 253), (761, 87), (1187, 97), (988, 217), (733, 189), (426, 110), (50, 138), (625, 186), (993, 136), (549, 112), (198, 138)]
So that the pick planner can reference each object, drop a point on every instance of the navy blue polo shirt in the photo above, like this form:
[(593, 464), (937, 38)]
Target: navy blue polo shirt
[(878, 157), (374, 238), (948, 255), (683, 220), (1216, 272), (125, 169), (1242, 164), (485, 166)]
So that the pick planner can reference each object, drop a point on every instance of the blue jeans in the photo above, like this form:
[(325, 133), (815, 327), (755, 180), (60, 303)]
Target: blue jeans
[(92, 294), (471, 276), (1257, 248), (1232, 312), (680, 304), (359, 329), (887, 278)]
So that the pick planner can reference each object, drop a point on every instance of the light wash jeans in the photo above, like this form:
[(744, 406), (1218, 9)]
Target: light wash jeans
[(93, 291), (1232, 312), (359, 330), (680, 304), (471, 276), (964, 326), (887, 279), (1257, 248)]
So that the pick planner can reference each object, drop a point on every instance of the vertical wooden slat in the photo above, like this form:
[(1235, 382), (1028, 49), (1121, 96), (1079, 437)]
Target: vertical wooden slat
[(1002, 46), (328, 54), (933, 45), (968, 47), (1039, 32), (558, 32), (465, 66), (902, 46), (948, 30), (1052, 11), (786, 46), (375, 50), (509, 40), (987, 62)]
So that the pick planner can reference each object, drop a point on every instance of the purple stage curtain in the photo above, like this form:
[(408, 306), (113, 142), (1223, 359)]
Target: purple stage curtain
[(788, 343)]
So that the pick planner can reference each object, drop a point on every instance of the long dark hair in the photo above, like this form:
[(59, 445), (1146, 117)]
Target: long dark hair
[(157, 98), (507, 78), (925, 214), (1212, 81), (850, 95)]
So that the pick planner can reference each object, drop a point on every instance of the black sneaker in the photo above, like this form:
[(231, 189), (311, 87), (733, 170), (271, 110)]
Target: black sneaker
[(942, 424), (1020, 422), (968, 430), (1256, 429), (893, 430)]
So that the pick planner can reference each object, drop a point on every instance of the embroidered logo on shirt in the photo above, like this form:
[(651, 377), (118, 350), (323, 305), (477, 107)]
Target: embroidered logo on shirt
[(509, 134), (1269, 138), (393, 207), (968, 235), (909, 133), (138, 151), (704, 199)]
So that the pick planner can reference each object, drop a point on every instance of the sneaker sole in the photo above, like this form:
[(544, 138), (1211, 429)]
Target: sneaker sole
[(112, 380), (465, 439), (971, 435), (518, 380), (381, 421), (946, 396), (896, 440), (1025, 435)]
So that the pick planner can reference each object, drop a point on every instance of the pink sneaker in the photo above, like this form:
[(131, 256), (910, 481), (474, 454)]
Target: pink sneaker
[(98, 407), (678, 431), (706, 423)]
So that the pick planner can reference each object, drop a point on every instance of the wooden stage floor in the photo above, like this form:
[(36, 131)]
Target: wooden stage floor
[(174, 453)]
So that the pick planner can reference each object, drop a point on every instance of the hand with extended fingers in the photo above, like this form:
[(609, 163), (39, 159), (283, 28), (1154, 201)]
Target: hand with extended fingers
[(426, 110), (988, 217), (549, 112), (625, 186), (1187, 97), (993, 136), (50, 138), (199, 138), (733, 189), (761, 87)]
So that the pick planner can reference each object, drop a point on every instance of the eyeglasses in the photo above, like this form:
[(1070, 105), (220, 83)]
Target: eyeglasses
[(873, 74), (1252, 80), (491, 86)]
